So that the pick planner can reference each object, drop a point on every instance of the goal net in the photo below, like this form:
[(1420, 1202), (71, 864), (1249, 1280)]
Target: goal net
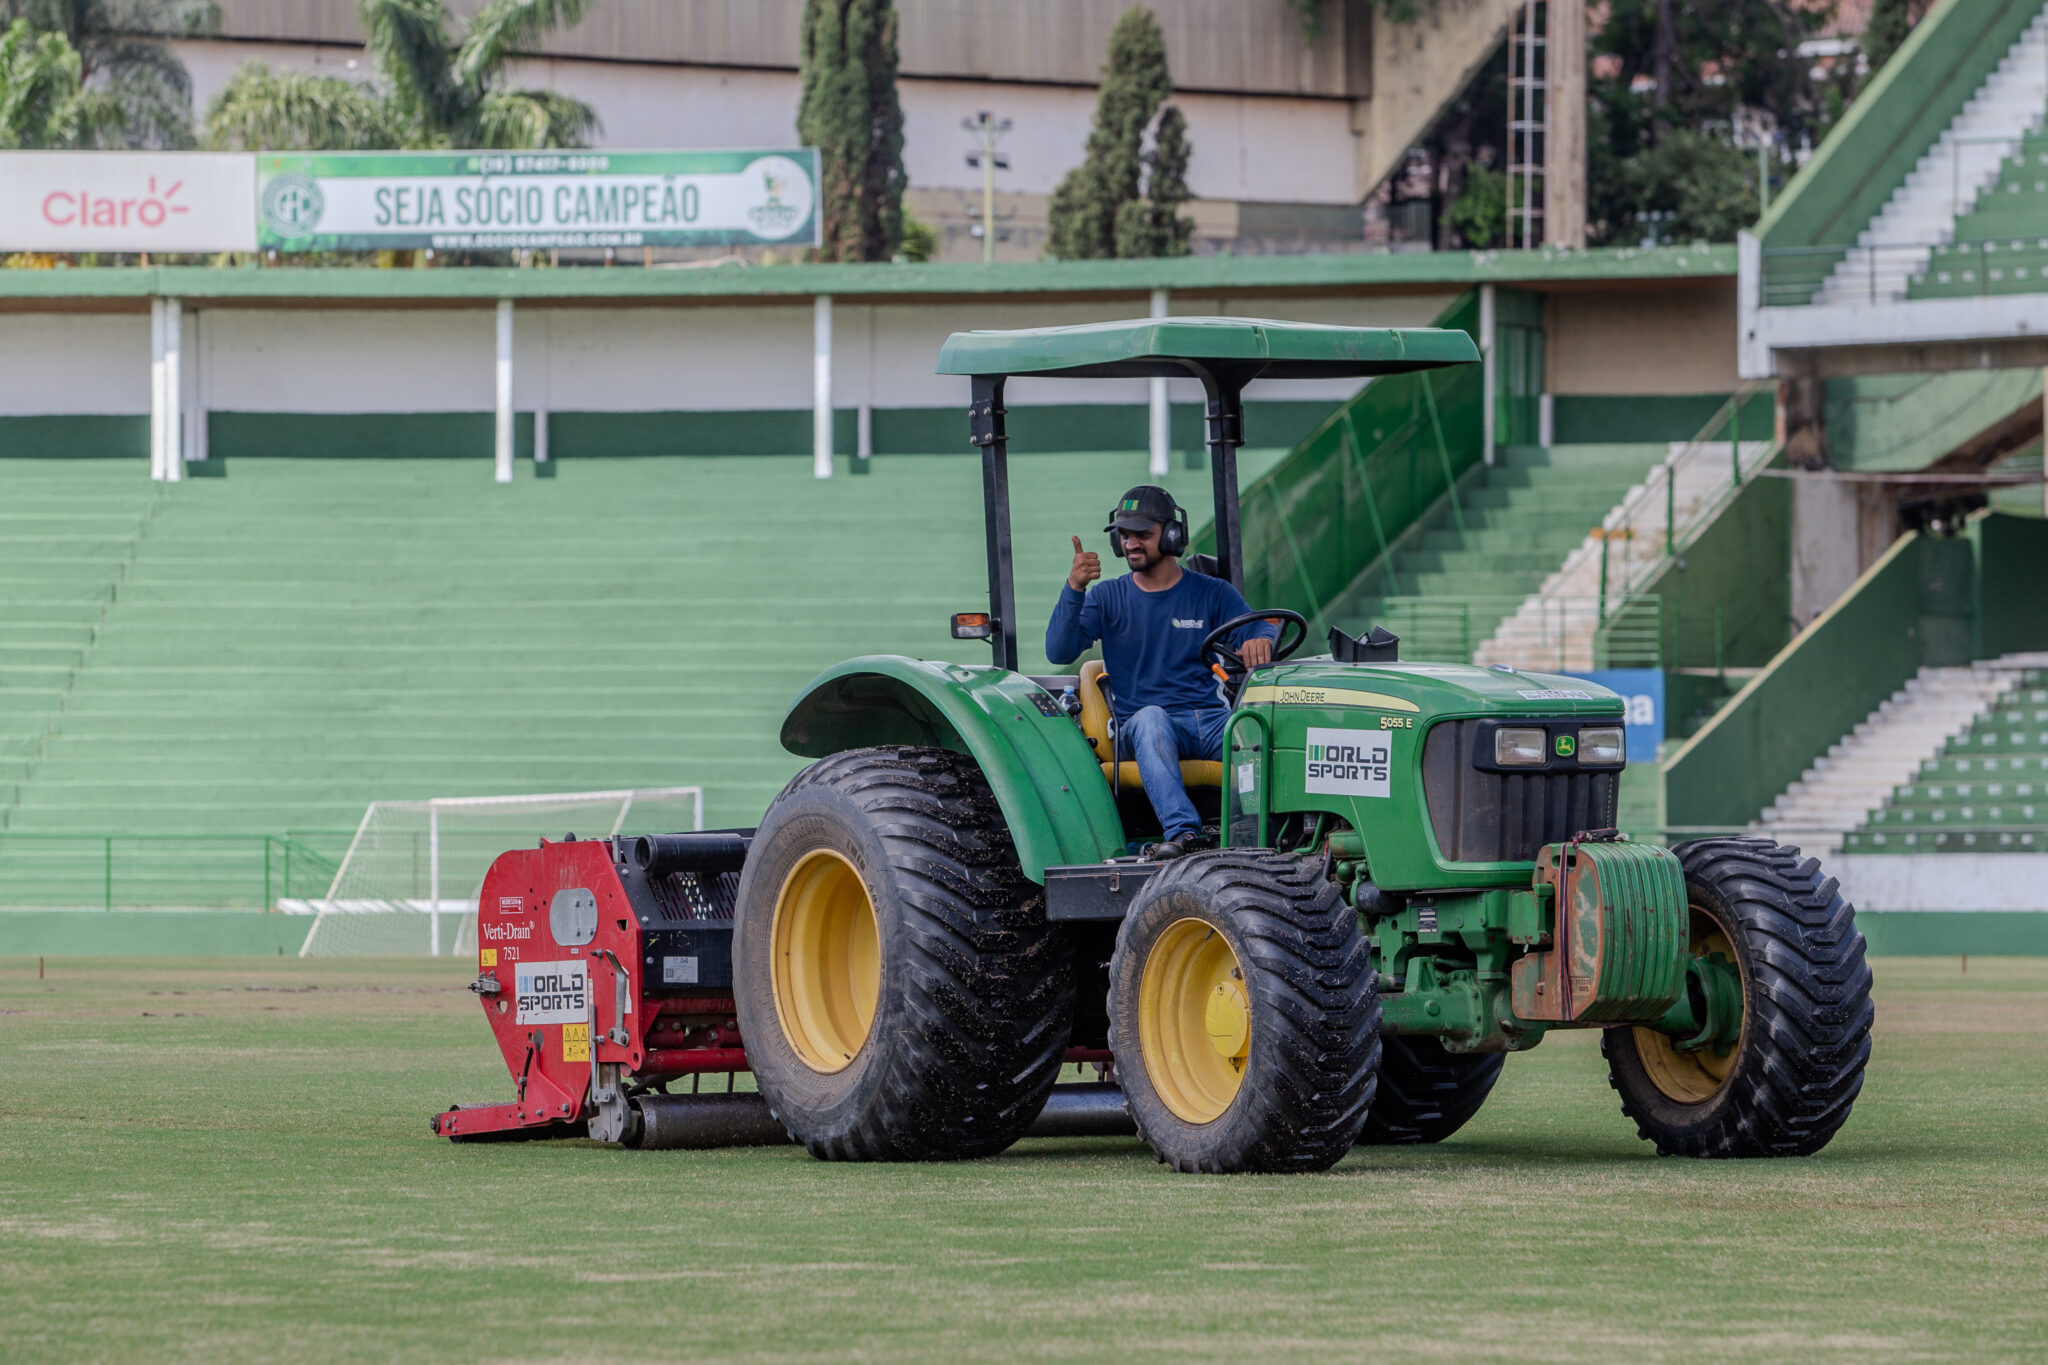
[(408, 884)]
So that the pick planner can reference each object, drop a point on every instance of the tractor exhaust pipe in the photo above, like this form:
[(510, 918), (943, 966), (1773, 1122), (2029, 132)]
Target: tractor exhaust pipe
[(666, 1122), (657, 855)]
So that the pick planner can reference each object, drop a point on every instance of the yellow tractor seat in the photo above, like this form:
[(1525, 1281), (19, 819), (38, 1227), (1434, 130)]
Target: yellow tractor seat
[(1095, 712)]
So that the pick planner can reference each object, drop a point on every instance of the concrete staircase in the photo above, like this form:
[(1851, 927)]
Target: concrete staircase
[(1449, 589), (1860, 772), (1922, 213), (1556, 624)]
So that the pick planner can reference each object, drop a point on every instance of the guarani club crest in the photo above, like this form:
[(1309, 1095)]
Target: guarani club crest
[(292, 205)]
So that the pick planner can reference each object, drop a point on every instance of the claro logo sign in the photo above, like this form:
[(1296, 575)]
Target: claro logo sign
[(156, 207), (127, 201)]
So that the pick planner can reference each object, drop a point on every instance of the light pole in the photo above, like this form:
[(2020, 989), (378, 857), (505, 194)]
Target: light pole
[(988, 128)]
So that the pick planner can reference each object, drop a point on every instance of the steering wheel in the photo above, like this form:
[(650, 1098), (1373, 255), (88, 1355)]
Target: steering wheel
[(1219, 655)]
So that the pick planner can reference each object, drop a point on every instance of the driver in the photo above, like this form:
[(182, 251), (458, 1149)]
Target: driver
[(1151, 622)]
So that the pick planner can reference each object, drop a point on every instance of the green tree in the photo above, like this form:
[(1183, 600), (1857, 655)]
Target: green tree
[(1153, 226), (1693, 72), (439, 84), (1096, 211), (848, 110), (140, 94), (1480, 212), (42, 104), (1890, 24)]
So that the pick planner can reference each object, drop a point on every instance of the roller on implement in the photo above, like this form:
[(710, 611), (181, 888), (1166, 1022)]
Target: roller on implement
[(1416, 874)]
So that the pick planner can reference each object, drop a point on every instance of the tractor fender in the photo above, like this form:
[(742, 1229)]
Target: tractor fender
[(1037, 763)]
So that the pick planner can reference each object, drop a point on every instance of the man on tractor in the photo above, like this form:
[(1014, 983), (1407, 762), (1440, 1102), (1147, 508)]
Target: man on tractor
[(1169, 704)]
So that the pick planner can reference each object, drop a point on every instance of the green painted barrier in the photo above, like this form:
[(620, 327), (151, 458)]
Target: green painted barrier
[(1951, 933), (150, 933), (1833, 674)]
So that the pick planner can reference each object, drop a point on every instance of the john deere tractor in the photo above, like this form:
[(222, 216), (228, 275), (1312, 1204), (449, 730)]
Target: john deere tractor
[(1417, 874)]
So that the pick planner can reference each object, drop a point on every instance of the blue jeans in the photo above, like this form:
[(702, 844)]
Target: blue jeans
[(1158, 739)]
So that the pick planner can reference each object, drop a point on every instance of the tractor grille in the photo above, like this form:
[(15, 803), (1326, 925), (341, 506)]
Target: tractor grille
[(1488, 817)]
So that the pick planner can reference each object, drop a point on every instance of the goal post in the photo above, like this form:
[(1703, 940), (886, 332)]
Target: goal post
[(391, 893)]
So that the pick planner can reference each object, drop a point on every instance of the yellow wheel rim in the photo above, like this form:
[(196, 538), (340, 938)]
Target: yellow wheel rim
[(1694, 1077), (1194, 1021), (827, 960)]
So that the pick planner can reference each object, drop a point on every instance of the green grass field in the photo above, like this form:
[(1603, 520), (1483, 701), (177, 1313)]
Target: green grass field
[(229, 1160)]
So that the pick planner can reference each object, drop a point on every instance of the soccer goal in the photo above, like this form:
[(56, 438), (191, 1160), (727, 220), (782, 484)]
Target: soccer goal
[(408, 883)]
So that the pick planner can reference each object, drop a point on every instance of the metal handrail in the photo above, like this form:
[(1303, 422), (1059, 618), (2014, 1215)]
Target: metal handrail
[(1793, 288), (1603, 578), (283, 858), (1443, 629)]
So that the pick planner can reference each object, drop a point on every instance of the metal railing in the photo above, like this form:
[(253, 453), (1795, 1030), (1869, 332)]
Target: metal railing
[(1589, 608), (1794, 276), (1799, 276), (1451, 630), (41, 870)]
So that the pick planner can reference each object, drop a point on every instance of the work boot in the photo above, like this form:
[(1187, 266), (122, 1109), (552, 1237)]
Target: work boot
[(1166, 850)]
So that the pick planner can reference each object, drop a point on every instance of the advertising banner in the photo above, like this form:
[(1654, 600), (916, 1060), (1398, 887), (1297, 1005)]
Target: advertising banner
[(127, 201), (1643, 691), (483, 201)]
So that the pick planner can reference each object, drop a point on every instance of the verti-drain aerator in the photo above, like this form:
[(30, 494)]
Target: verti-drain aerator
[(1417, 873)]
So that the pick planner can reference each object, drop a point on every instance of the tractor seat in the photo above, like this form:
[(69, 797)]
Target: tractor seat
[(1095, 713)]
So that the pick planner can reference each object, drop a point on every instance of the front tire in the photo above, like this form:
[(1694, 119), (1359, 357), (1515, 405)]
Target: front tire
[(1787, 1084), (901, 993), (1243, 1015)]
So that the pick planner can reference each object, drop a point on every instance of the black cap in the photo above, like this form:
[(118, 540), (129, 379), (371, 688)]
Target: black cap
[(1143, 507)]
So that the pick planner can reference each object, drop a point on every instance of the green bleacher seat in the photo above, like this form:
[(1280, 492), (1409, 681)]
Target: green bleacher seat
[(1986, 793), (267, 653)]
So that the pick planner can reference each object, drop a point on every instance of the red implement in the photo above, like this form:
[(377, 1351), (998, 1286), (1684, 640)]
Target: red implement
[(604, 967)]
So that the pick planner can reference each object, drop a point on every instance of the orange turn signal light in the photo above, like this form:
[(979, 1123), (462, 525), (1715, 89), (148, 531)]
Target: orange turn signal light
[(973, 625)]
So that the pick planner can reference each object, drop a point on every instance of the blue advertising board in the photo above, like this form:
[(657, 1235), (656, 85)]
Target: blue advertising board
[(1642, 689)]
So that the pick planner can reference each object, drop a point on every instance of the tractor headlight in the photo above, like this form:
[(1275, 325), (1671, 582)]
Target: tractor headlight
[(1518, 748), (1600, 748)]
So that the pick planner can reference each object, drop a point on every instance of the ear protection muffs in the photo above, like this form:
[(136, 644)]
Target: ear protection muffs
[(1173, 537)]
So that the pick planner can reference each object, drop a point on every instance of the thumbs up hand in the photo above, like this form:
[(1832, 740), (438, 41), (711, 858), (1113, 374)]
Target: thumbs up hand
[(1087, 568)]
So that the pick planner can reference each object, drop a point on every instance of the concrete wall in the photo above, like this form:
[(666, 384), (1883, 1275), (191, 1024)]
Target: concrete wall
[(1234, 45), (1651, 341), (705, 358)]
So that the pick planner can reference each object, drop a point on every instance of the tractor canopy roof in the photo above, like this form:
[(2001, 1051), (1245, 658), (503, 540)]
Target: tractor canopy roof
[(1234, 350)]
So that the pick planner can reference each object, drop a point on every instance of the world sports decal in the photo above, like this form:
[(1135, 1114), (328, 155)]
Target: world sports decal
[(1349, 762), (553, 992)]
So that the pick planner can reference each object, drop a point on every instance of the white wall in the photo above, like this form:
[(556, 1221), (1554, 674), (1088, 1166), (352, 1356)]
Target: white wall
[(704, 358), (59, 365), (1245, 147)]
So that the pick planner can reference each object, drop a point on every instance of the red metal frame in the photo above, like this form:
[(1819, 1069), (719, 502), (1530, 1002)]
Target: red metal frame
[(664, 1037)]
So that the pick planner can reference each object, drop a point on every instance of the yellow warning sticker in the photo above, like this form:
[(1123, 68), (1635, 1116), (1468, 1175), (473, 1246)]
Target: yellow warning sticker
[(487, 957), (575, 1042)]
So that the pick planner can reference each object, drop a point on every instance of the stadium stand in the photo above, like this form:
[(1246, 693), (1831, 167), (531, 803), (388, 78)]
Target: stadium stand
[(1987, 791), (264, 654), (1445, 590), (1832, 797), (1978, 165)]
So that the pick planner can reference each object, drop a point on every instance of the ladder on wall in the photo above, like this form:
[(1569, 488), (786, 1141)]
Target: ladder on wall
[(1528, 123)]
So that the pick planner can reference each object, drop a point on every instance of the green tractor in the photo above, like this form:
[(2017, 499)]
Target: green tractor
[(1417, 873)]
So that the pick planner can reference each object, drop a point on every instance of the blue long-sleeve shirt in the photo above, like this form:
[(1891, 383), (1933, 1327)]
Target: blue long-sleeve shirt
[(1151, 641)]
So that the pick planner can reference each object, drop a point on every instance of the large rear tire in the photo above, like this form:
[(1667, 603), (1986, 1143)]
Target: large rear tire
[(901, 993), (1426, 1093), (1243, 1016), (1786, 1085)]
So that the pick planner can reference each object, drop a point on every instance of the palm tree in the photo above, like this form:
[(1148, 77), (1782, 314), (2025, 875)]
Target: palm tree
[(439, 85), (140, 94)]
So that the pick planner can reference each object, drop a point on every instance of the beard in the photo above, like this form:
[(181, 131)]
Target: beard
[(1139, 558)]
